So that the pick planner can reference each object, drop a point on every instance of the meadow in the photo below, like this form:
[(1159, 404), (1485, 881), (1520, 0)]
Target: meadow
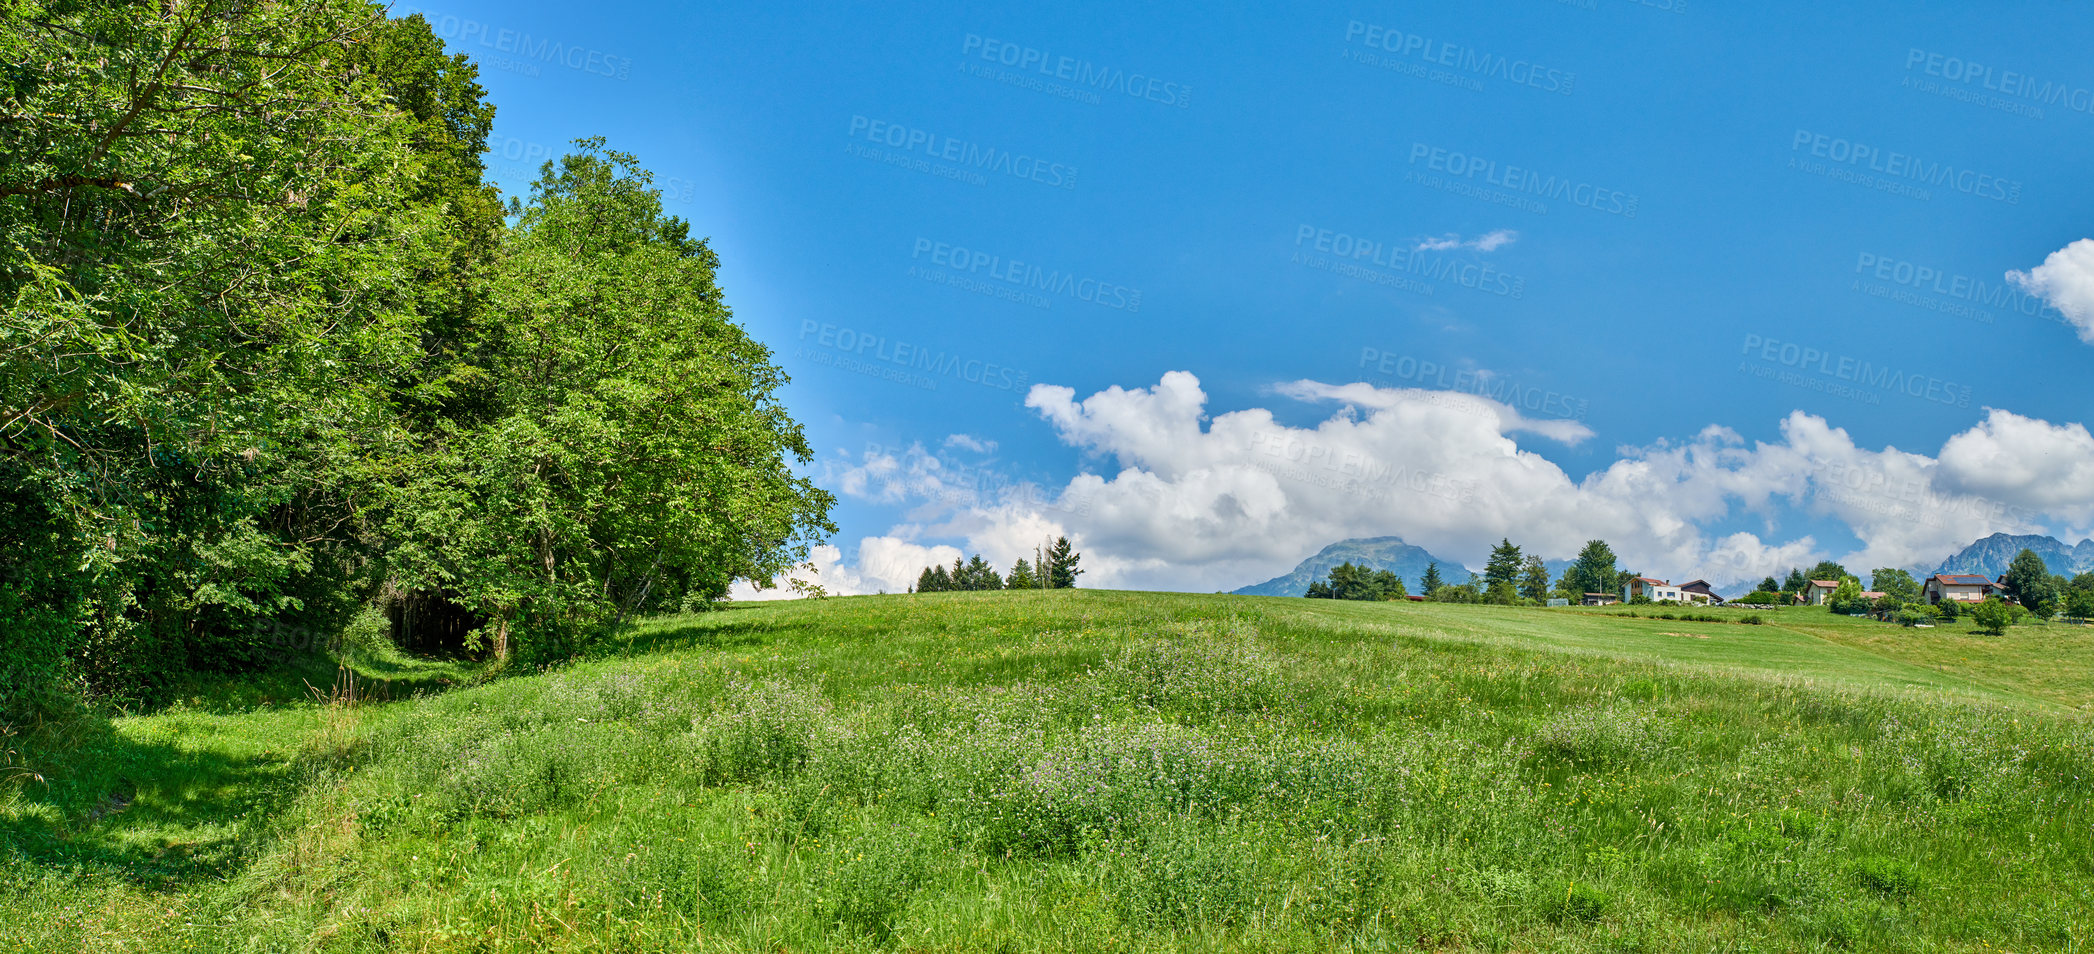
[(1096, 771)]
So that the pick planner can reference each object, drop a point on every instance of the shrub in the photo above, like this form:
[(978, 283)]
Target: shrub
[(1751, 619), (1992, 616), (1762, 597)]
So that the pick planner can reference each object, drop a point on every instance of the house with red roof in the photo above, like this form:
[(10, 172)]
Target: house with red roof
[(1960, 587), (1818, 592)]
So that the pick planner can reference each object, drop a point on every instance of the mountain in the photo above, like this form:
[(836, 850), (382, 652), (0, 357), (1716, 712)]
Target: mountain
[(1380, 553), (1991, 555)]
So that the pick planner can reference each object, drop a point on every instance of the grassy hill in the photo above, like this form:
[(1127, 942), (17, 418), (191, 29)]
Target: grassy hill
[(1106, 771)]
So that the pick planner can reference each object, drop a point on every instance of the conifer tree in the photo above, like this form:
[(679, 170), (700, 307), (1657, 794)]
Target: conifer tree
[(1061, 565)]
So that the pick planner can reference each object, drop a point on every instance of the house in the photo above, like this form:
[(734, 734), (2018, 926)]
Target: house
[(1960, 587), (1700, 591), (1599, 599), (1818, 592), (1659, 591)]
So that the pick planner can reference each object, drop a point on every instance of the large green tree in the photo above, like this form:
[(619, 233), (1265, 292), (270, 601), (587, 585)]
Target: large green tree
[(229, 230), (1895, 584), (631, 451), (1503, 566), (1534, 580), (1593, 571), (2029, 581)]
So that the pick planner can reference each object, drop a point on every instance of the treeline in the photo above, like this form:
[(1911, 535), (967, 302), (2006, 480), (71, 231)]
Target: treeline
[(1056, 570), (275, 353)]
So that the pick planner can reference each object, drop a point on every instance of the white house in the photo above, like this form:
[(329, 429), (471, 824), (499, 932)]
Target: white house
[(1818, 592), (1960, 587), (1659, 591)]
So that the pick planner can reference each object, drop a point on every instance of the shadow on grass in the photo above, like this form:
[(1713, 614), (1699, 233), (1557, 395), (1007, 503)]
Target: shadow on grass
[(711, 630), (155, 814)]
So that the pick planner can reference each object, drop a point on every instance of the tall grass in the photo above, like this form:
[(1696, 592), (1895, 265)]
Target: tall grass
[(1118, 772)]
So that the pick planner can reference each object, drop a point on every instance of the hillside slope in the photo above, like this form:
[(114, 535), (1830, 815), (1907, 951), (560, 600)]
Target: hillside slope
[(1079, 770)]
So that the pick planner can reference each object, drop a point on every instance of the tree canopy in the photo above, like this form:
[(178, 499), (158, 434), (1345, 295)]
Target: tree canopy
[(272, 353)]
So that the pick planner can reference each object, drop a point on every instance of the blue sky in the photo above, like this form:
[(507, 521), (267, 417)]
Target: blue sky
[(1629, 222)]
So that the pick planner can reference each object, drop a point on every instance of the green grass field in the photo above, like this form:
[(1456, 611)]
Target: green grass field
[(1101, 771)]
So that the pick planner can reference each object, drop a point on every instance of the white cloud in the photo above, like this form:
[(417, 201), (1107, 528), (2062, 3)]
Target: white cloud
[(2066, 280), (1179, 499), (970, 442), (1487, 242), (2024, 462), (884, 564)]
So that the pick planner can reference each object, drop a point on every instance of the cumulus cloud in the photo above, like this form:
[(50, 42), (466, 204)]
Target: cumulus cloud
[(1487, 242), (884, 564), (1178, 498), (2066, 280), (2027, 463)]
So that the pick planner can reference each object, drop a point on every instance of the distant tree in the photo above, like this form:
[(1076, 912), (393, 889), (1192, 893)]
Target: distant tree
[(1764, 598), (2028, 579), (982, 576), (1795, 583), (1502, 593), (1992, 616), (1828, 570), (1061, 565), (2083, 581), (1350, 582), (1846, 597), (1504, 565), (926, 582), (1593, 571), (1769, 585), (2079, 603), (1452, 594), (1021, 577), (1895, 584), (1534, 580), (941, 582), (1430, 583)]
